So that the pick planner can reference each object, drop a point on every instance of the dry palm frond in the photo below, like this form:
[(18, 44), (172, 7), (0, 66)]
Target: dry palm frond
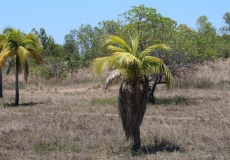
[(132, 107), (113, 78)]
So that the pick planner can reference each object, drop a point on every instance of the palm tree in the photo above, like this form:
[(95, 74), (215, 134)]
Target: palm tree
[(2, 41), (132, 68), (19, 46)]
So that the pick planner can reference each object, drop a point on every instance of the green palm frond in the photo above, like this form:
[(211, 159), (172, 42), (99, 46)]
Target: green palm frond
[(115, 40), (149, 49), (35, 55), (4, 55), (22, 52), (168, 76), (2, 41), (114, 49), (99, 65), (124, 60), (135, 43), (128, 64), (151, 65)]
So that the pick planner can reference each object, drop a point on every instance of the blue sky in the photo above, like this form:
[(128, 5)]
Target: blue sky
[(58, 17)]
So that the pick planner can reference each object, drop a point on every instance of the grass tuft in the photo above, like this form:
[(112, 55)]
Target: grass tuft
[(49, 146), (103, 101)]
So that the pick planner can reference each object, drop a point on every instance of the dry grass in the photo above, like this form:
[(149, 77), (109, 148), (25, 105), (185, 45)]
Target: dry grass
[(75, 119)]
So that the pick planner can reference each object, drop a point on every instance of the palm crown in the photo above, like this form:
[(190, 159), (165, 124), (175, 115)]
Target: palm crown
[(128, 63), (16, 43)]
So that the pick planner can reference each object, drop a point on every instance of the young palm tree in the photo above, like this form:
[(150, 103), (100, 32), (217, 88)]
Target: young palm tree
[(19, 46), (132, 68)]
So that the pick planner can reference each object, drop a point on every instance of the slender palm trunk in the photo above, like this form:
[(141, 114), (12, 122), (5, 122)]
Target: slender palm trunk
[(16, 81), (1, 93)]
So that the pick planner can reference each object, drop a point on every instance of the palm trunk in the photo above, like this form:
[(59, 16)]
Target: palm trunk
[(132, 106), (1, 93), (16, 82), (136, 137)]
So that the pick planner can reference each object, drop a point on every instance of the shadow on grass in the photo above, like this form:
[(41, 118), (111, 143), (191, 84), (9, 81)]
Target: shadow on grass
[(162, 146), (29, 104), (176, 100), (159, 146), (183, 100)]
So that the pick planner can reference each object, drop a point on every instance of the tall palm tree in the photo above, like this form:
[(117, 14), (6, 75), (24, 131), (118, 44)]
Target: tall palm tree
[(2, 42), (132, 68), (19, 46)]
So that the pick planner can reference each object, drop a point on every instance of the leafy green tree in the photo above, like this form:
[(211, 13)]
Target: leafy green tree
[(110, 27), (226, 18), (85, 36), (44, 38), (71, 49), (224, 39), (152, 26), (207, 39), (131, 67), (19, 45)]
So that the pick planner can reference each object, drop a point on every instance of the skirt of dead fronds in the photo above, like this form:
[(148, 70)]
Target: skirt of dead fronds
[(132, 107)]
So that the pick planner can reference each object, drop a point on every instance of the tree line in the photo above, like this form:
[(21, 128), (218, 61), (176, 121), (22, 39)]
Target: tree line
[(189, 47)]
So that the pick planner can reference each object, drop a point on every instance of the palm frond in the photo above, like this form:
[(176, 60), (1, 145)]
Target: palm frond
[(22, 52), (149, 49), (115, 40), (4, 55), (35, 55), (119, 75), (99, 65), (114, 49), (135, 43), (124, 60), (153, 65), (113, 78), (168, 76)]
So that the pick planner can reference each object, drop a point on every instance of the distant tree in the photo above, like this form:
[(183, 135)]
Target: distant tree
[(85, 36), (44, 38), (19, 45), (71, 49), (131, 67), (226, 18), (110, 27), (207, 39), (224, 39)]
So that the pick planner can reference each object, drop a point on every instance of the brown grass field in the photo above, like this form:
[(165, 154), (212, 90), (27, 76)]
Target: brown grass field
[(74, 119)]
